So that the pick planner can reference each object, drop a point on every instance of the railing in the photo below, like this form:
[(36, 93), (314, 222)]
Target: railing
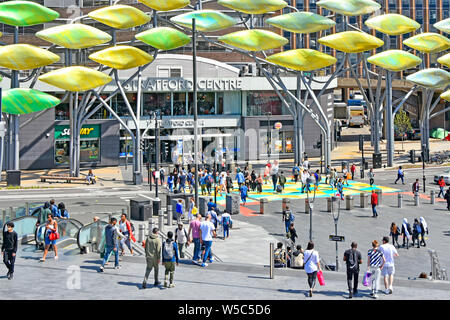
[(90, 235), (437, 273), (67, 229), (25, 227)]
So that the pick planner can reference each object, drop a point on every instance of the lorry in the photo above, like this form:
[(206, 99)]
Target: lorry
[(357, 117)]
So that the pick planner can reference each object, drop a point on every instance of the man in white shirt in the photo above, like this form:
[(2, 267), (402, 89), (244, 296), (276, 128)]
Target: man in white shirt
[(207, 231), (304, 177), (389, 252)]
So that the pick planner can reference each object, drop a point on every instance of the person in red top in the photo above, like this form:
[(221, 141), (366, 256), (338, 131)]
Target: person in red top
[(353, 170), (126, 229), (441, 184), (374, 202)]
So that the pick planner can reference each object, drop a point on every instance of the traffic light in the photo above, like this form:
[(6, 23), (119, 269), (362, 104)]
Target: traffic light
[(319, 144)]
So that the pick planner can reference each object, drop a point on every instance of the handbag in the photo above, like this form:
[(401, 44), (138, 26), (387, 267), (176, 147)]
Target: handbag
[(366, 279), (320, 278), (53, 236)]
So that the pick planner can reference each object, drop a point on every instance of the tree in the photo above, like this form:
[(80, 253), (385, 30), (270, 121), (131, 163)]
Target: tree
[(402, 123)]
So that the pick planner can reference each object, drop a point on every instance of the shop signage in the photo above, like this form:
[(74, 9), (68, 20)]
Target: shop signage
[(181, 123), (87, 131), (179, 84), (278, 125)]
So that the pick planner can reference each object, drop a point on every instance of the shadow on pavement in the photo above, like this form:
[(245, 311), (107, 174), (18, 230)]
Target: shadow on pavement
[(131, 284), (294, 291), (256, 277)]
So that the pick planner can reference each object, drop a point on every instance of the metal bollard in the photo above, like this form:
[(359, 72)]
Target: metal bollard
[(432, 197), (306, 206), (141, 233), (169, 215), (160, 220), (363, 200), (151, 225), (329, 204), (349, 202), (400, 200), (263, 205), (416, 199), (272, 262)]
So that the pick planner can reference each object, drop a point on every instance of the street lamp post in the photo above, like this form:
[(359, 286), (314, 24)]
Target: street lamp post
[(157, 141), (336, 218), (269, 138), (194, 80), (310, 207), (423, 165)]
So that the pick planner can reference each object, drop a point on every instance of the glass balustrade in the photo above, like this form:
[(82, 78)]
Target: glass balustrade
[(91, 235)]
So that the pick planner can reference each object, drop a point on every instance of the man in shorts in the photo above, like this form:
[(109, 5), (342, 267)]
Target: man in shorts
[(388, 271)]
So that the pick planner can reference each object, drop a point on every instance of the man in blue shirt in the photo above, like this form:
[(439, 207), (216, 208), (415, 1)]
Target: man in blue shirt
[(296, 173), (400, 175), (244, 191), (182, 180), (211, 205), (240, 179)]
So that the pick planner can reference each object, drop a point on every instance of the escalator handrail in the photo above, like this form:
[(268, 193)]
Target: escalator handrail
[(85, 226), (75, 222), (18, 219)]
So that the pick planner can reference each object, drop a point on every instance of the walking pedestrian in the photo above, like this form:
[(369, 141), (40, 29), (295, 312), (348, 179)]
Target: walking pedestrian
[(214, 217), (169, 258), (50, 236), (296, 172), (305, 177), (416, 187), (162, 175), (292, 233), (203, 183), (53, 207), (229, 182), (447, 198), (287, 218), (353, 259), (333, 176), (170, 182), (340, 188), (317, 178), (181, 238), (182, 181), (226, 224), (259, 183), (400, 175), (253, 178), (394, 232), (282, 180), (207, 231), (191, 209), (274, 174), (388, 271), (179, 209), (424, 226), (371, 175), (9, 248), (244, 193), (127, 230), (375, 263), (406, 232), (374, 202), (266, 172), (194, 227), (240, 179), (417, 230), (111, 240), (353, 170), (442, 185), (312, 265), (327, 174), (152, 257)]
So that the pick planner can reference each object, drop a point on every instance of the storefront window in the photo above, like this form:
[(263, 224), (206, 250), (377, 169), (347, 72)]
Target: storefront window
[(179, 103), (205, 103), (157, 101), (259, 103), (120, 107), (89, 144), (126, 145)]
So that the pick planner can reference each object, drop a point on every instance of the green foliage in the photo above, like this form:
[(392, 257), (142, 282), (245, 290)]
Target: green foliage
[(402, 123)]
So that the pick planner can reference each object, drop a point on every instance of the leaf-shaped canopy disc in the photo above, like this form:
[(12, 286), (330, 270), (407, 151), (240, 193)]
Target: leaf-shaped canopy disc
[(25, 57), (24, 101), (301, 22), (302, 59), (351, 41), (254, 40), (25, 13)]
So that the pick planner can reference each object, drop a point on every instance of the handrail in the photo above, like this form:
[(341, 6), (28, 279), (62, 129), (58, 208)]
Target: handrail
[(101, 224), (74, 222), (20, 235)]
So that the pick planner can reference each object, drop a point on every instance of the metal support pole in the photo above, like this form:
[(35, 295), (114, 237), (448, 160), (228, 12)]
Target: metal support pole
[(169, 215), (389, 121), (156, 154), (416, 199), (271, 258), (337, 259), (160, 220), (400, 200), (194, 68), (141, 233), (432, 197)]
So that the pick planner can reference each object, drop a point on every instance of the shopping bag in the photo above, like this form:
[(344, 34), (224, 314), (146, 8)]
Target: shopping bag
[(320, 278), (366, 279)]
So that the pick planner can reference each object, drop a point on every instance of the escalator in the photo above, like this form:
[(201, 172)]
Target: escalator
[(68, 233)]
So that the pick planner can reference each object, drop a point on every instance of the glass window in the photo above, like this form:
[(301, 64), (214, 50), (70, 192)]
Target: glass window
[(62, 151), (120, 107), (179, 103), (156, 101), (261, 102), (288, 142), (205, 103), (90, 150), (126, 145)]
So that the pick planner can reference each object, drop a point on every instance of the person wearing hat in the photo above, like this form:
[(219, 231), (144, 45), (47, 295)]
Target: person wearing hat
[(181, 238)]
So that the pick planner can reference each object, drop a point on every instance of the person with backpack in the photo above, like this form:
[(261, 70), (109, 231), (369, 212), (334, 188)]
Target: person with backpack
[(226, 224), (279, 256), (297, 258), (169, 258), (127, 229), (282, 180), (296, 172), (406, 232), (181, 238), (179, 209), (353, 259), (9, 248), (207, 231), (400, 175), (152, 256), (311, 265), (62, 213), (287, 217), (244, 194), (417, 230), (375, 263)]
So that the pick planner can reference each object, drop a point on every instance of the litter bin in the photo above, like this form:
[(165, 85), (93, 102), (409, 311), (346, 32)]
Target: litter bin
[(137, 209), (376, 161), (363, 200), (412, 155), (349, 202), (156, 206), (13, 178)]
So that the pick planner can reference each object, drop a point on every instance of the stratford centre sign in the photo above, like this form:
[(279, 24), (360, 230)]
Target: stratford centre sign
[(180, 84)]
